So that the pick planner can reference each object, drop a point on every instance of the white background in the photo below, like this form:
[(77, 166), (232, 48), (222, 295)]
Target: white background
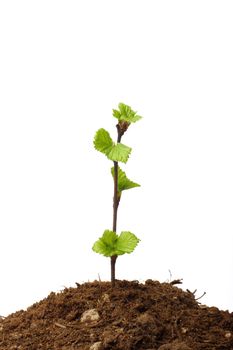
[(64, 66)]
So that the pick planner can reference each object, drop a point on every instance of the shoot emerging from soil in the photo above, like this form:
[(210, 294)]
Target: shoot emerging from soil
[(111, 244)]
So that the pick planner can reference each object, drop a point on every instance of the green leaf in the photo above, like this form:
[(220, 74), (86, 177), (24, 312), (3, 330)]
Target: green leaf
[(126, 242), (103, 141), (125, 113), (119, 153), (111, 244), (116, 113), (106, 245), (123, 182), (116, 152)]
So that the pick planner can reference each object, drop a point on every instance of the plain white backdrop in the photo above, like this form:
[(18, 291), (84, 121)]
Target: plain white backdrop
[(63, 66)]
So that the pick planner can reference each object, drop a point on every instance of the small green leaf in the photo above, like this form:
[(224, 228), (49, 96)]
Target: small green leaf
[(116, 113), (126, 114), (103, 141), (116, 152), (106, 244), (126, 242), (111, 244), (123, 182), (119, 153)]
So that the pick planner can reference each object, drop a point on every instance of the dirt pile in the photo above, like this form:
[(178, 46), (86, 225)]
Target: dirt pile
[(131, 316)]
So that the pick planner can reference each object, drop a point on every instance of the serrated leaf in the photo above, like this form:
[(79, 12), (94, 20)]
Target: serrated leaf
[(111, 244), (116, 113), (116, 152), (119, 153), (123, 182), (103, 141), (126, 114), (106, 245), (126, 242)]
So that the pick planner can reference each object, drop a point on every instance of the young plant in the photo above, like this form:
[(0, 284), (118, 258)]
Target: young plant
[(111, 244)]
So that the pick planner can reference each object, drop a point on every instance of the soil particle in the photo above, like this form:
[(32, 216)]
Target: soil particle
[(131, 316), (176, 345), (96, 346), (90, 315)]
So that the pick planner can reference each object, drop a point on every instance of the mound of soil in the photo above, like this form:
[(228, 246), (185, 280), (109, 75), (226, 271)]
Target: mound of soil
[(131, 316)]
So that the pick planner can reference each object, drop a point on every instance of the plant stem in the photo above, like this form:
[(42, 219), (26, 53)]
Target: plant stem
[(115, 207), (115, 197), (113, 269)]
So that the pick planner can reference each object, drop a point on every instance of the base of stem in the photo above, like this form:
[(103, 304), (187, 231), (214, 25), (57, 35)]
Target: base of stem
[(113, 264)]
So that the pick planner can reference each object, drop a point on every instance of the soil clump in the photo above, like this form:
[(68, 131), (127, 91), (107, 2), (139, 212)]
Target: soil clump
[(131, 316)]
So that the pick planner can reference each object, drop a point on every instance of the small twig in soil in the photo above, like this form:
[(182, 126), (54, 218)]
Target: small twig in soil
[(201, 296), (193, 293), (170, 273), (177, 281), (59, 325)]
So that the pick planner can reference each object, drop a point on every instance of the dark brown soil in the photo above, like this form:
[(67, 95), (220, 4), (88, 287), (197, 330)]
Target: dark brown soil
[(131, 316)]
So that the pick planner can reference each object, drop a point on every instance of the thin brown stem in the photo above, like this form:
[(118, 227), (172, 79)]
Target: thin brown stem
[(115, 207), (115, 197)]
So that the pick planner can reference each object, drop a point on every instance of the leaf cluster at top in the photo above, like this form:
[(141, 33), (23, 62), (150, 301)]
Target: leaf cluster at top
[(103, 142), (125, 113)]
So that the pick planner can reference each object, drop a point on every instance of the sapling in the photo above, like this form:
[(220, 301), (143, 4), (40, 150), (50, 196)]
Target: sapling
[(111, 244)]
